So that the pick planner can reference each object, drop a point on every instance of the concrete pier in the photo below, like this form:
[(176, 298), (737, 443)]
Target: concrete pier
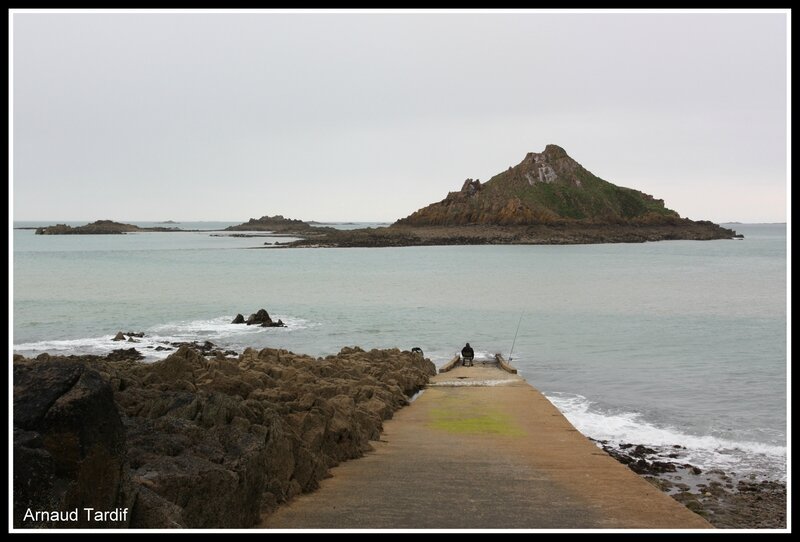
[(482, 449)]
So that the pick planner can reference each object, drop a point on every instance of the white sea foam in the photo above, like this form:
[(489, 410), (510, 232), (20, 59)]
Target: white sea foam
[(705, 451), (221, 327), (218, 330), (99, 346)]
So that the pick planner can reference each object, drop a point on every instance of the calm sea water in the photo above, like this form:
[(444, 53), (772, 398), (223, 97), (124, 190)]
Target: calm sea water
[(676, 342)]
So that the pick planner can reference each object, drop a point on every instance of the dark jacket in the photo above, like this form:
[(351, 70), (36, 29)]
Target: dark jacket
[(467, 352)]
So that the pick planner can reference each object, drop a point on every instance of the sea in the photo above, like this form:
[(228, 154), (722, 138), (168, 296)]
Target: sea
[(662, 344)]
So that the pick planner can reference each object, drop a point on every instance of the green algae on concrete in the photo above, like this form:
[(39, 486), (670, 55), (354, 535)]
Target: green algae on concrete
[(489, 422)]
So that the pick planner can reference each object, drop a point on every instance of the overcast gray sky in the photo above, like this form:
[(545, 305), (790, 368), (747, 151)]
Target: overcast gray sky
[(226, 116)]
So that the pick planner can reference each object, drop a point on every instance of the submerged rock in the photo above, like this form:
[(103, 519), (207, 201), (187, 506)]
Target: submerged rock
[(120, 336), (279, 323)]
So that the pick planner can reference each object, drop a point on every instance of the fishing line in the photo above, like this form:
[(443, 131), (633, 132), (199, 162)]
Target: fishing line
[(515, 337)]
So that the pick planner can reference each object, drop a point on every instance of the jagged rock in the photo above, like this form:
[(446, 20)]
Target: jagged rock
[(206, 347), (253, 431), (69, 444), (119, 336), (123, 354), (263, 319), (239, 319), (279, 323), (641, 451), (470, 187), (152, 511)]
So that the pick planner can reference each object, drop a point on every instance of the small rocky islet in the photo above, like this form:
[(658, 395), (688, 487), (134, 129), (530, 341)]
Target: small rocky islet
[(259, 318), (100, 227)]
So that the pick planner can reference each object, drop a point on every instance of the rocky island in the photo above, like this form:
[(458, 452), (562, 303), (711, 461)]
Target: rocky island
[(99, 227), (276, 224), (548, 198)]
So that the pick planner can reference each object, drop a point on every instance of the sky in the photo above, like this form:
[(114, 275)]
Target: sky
[(371, 116)]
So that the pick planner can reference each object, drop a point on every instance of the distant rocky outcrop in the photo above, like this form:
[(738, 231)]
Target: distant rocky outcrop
[(197, 442), (99, 227), (276, 224)]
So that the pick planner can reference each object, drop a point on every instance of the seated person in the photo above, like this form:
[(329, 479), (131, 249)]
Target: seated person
[(467, 355)]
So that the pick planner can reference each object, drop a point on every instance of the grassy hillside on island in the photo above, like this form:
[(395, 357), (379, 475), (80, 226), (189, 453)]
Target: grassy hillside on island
[(548, 198), (545, 188)]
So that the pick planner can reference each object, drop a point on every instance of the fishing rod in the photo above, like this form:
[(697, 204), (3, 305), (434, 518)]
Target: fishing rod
[(515, 337)]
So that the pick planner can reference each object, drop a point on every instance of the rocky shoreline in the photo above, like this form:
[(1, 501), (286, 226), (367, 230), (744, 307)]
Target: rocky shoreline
[(544, 234), (254, 429), (726, 500), (399, 234), (195, 441)]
